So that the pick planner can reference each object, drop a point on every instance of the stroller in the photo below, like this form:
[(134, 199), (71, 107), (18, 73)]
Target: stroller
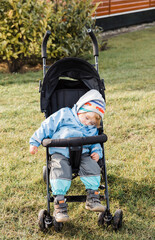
[(64, 83)]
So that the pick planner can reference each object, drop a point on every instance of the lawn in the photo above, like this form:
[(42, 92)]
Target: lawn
[(129, 72)]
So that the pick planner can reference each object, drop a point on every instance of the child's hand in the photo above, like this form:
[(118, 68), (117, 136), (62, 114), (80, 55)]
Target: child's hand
[(95, 156), (33, 149)]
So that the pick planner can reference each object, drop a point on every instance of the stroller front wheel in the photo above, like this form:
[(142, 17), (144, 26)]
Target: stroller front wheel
[(117, 219), (41, 219), (57, 225), (101, 217)]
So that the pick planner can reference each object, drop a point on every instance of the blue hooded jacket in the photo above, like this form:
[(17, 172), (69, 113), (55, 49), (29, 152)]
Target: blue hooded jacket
[(65, 124)]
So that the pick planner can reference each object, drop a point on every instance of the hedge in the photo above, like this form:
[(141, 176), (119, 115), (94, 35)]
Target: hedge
[(24, 22)]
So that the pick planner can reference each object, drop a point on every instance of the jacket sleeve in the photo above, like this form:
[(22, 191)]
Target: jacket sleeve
[(97, 146), (97, 149), (48, 127)]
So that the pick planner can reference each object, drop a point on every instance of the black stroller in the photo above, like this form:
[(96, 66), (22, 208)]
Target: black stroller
[(64, 83)]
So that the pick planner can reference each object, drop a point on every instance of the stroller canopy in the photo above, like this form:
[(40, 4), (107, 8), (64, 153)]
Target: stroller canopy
[(72, 69)]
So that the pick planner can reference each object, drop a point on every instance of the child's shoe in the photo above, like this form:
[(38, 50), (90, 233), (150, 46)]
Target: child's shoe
[(60, 209), (93, 201)]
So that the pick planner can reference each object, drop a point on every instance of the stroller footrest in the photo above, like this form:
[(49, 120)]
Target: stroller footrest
[(78, 198)]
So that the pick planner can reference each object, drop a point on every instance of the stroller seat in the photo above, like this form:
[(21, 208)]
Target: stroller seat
[(65, 82)]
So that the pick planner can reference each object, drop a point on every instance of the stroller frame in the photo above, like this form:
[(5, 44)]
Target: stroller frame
[(45, 220)]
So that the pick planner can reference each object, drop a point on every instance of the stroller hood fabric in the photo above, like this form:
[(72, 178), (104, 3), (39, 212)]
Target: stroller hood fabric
[(73, 68)]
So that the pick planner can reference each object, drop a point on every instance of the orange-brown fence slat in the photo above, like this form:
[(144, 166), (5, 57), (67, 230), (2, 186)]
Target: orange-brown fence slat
[(107, 7), (128, 7), (152, 3)]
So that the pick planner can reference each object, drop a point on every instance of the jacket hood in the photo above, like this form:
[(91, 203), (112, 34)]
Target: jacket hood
[(89, 96)]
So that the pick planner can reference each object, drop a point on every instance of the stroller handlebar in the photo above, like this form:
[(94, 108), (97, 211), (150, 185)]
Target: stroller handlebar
[(89, 31), (44, 44), (74, 141), (94, 40)]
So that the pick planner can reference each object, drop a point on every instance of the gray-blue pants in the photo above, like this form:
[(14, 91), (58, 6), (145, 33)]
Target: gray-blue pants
[(61, 173)]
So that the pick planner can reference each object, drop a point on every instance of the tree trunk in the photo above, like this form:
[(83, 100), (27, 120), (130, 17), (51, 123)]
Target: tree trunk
[(15, 65)]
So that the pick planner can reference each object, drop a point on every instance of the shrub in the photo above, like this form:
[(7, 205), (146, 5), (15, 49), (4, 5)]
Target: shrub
[(22, 26), (24, 22), (67, 23)]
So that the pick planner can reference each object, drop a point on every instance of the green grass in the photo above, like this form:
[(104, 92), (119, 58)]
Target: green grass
[(129, 72)]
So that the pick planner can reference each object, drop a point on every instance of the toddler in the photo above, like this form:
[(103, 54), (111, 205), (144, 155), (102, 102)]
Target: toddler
[(82, 120)]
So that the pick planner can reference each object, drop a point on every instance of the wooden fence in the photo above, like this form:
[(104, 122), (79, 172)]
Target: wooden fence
[(109, 7)]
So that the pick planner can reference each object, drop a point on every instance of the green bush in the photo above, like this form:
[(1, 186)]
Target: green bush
[(24, 22), (22, 26), (67, 21)]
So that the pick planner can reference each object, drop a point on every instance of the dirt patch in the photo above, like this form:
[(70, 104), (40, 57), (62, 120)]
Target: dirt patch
[(25, 68), (3, 67)]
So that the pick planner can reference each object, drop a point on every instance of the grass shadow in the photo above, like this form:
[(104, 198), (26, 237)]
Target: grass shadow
[(128, 193)]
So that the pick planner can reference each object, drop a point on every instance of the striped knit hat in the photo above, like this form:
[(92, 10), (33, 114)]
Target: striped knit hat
[(93, 106)]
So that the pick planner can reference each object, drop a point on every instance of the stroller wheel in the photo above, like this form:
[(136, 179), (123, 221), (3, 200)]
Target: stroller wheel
[(44, 173), (57, 225), (41, 219), (117, 219), (101, 217)]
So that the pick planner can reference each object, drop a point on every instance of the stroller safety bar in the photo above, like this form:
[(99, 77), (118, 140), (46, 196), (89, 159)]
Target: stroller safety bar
[(74, 142)]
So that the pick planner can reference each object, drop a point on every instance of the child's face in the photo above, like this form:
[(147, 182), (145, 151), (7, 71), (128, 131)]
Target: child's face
[(90, 118)]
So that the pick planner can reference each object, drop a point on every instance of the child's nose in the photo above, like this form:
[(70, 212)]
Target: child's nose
[(88, 122)]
